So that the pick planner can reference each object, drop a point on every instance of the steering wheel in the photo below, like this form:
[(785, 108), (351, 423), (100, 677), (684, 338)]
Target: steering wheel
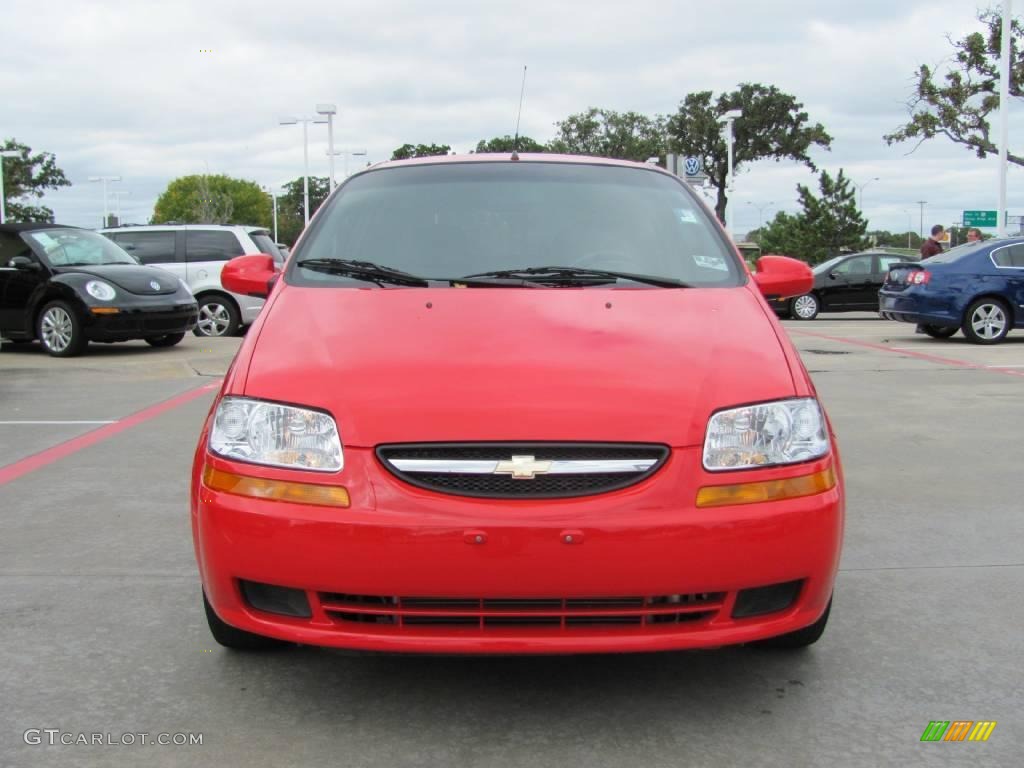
[(614, 261)]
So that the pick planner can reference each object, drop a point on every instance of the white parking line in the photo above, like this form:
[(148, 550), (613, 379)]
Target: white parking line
[(114, 421)]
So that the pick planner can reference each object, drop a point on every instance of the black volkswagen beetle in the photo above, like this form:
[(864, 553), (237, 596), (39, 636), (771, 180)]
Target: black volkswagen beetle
[(68, 286)]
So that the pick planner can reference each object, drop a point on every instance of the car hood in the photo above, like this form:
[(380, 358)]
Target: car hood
[(409, 365), (133, 278)]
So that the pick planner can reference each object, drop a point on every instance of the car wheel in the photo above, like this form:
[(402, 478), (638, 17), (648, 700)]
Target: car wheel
[(986, 321), (805, 307), (237, 639), (60, 330), (801, 638), (218, 316), (167, 340), (939, 331)]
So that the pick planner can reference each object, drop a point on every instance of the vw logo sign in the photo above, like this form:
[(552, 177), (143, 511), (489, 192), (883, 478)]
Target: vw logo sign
[(154, 285), (693, 165)]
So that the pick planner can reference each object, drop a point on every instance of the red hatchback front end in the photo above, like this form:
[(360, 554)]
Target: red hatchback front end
[(492, 455)]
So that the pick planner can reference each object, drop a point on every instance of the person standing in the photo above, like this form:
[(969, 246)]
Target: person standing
[(932, 246)]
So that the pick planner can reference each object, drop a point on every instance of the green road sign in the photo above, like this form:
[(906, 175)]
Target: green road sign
[(980, 219)]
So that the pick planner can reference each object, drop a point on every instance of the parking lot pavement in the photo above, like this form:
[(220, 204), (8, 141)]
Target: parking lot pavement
[(103, 628)]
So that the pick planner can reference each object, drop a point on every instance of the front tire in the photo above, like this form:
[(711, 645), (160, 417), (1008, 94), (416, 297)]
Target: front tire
[(986, 321), (167, 340), (60, 330), (237, 639), (939, 331), (218, 316), (805, 307), (801, 638)]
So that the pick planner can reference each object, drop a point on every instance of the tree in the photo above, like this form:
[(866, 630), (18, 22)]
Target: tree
[(407, 151), (506, 143), (27, 176), (219, 199), (826, 225), (607, 133), (956, 103), (290, 221), (773, 125)]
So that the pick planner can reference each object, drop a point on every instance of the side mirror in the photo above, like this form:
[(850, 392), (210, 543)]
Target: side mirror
[(250, 275), (780, 277), (24, 263)]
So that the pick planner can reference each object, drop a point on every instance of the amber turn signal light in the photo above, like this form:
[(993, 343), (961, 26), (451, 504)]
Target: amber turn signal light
[(104, 310), (275, 490), (768, 490)]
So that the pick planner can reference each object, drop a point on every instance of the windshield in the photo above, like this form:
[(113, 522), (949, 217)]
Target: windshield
[(451, 220), (825, 266), (77, 247)]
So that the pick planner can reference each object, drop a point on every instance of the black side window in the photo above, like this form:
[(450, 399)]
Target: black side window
[(854, 267), (12, 245), (147, 247), (210, 245)]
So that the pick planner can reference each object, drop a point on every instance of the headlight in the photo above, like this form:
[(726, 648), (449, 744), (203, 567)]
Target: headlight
[(782, 432), (100, 290), (276, 435), (185, 286)]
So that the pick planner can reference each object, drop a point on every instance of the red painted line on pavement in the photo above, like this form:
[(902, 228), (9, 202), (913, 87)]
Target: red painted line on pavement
[(48, 456), (909, 353)]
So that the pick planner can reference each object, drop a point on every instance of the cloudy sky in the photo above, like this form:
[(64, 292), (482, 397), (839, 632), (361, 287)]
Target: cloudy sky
[(129, 89)]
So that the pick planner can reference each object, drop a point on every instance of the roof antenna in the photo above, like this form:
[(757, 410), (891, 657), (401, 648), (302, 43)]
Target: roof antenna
[(515, 141)]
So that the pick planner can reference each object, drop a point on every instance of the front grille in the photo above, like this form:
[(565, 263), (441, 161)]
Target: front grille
[(495, 470), (503, 613)]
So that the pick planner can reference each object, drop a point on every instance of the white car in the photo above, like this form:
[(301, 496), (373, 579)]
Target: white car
[(196, 253)]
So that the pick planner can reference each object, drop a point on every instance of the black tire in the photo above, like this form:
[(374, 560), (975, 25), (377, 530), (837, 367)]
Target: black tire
[(237, 639), (801, 638), (992, 330), (218, 316), (59, 329), (939, 331), (805, 307), (167, 340)]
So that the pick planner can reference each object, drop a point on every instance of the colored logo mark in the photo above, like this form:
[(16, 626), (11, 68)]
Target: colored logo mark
[(958, 730)]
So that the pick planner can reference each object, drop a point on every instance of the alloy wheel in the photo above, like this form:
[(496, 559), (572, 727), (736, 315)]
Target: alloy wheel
[(57, 329), (805, 307), (214, 319), (989, 321)]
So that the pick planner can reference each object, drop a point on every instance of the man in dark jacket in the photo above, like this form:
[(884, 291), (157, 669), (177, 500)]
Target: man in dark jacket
[(932, 246)]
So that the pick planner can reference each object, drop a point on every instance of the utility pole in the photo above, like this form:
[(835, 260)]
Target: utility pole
[(922, 203), (1004, 112)]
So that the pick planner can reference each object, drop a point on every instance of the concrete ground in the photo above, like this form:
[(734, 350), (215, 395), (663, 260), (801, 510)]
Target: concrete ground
[(102, 628)]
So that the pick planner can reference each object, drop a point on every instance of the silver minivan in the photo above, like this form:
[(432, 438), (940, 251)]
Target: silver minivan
[(196, 253)]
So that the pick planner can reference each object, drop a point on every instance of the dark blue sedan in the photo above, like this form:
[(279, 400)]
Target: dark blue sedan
[(977, 288)]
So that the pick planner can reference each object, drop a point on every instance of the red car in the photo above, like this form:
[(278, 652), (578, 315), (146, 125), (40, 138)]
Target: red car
[(516, 404)]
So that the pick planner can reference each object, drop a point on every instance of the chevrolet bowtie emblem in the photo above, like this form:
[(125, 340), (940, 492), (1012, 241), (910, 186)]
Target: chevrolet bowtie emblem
[(522, 467)]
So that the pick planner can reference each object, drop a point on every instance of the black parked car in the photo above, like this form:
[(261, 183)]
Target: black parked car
[(68, 286), (846, 283)]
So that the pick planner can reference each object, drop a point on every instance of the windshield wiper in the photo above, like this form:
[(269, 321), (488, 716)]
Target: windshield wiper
[(578, 275), (364, 270)]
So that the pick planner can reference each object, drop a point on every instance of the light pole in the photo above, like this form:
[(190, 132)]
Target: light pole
[(106, 207), (760, 214), (346, 154), (4, 153), (910, 226), (728, 118), (1004, 112), (860, 191), (922, 203), (330, 110), (118, 194), (305, 157)]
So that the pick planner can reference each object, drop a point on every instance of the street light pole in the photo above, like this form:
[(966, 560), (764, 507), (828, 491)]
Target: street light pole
[(860, 192), (728, 118), (330, 110), (106, 205), (1004, 111), (3, 203), (922, 203), (760, 213), (305, 156), (118, 194)]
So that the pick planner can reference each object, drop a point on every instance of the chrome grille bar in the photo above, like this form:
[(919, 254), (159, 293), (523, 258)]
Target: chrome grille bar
[(489, 467)]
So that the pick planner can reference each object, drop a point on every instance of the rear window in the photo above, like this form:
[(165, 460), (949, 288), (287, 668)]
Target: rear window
[(955, 254), (266, 245), (447, 221)]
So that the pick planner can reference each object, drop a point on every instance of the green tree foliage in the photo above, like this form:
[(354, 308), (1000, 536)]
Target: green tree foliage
[(774, 125), (27, 176), (607, 133), (290, 221), (202, 199), (957, 100), (504, 144), (828, 223), (407, 151)]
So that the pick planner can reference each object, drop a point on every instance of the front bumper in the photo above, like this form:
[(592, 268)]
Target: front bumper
[(138, 322), (397, 543)]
